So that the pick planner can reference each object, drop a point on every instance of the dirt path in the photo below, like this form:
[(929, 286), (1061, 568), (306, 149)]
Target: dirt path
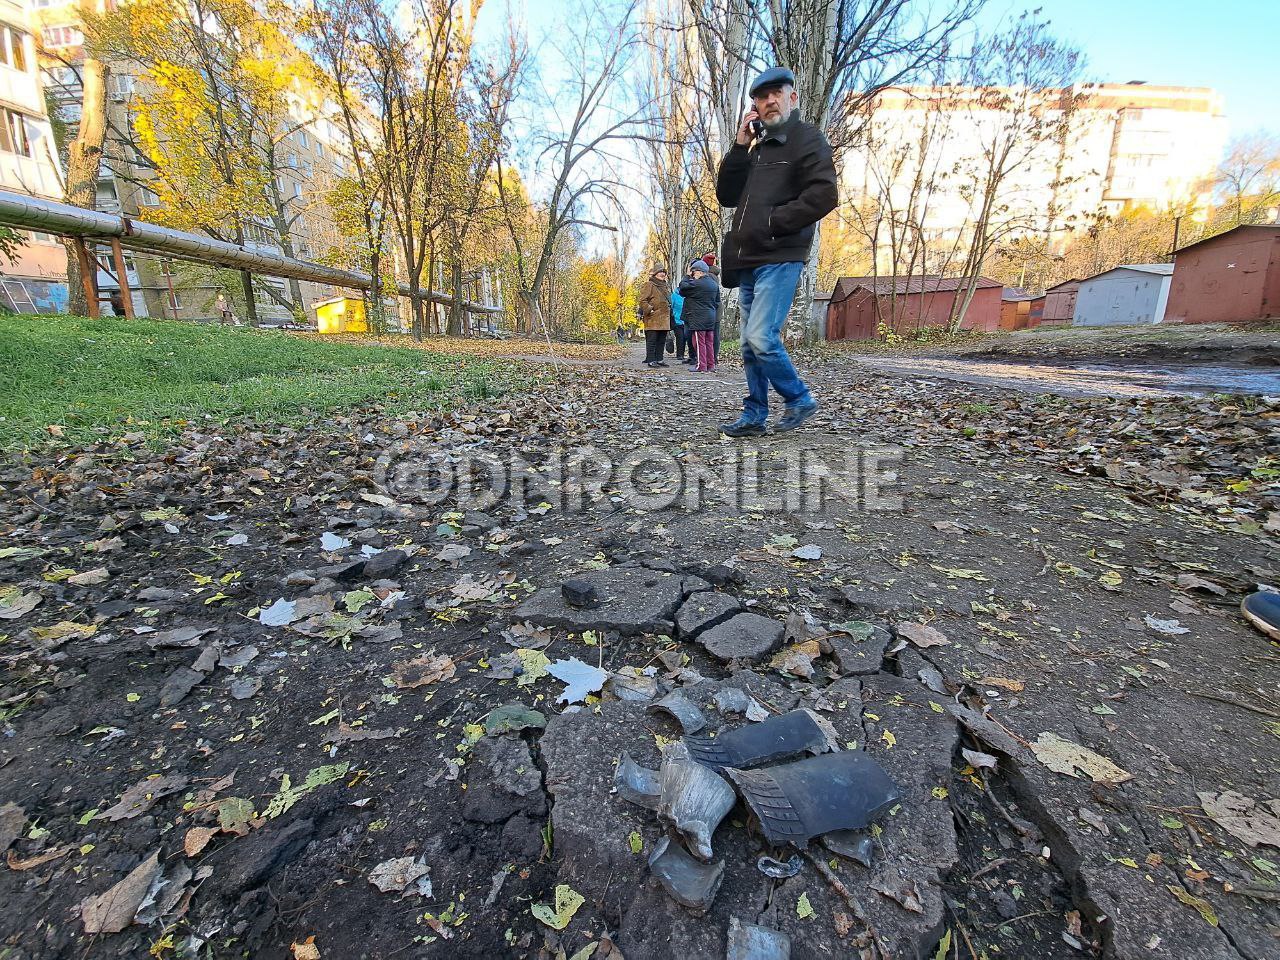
[(1079, 558)]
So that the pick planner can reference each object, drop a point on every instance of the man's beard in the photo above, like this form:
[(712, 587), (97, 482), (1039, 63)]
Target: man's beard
[(774, 122)]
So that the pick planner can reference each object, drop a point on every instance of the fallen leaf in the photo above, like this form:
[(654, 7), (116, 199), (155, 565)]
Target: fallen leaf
[(398, 875), (922, 636), (1203, 907), (804, 909), (978, 760), (1003, 683), (112, 911), (15, 604), (1254, 822), (13, 820), (636, 841), (1063, 756), (1169, 628), (568, 901), (197, 839), (533, 666), (16, 863), (279, 614), (421, 671), (511, 717), (288, 794), (306, 950), (142, 796)]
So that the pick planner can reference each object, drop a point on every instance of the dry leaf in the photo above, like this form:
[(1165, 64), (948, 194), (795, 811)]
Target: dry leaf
[(1254, 822), (922, 636), (1004, 683), (420, 671), (1063, 756), (307, 950), (38, 860), (197, 839), (142, 796), (112, 911)]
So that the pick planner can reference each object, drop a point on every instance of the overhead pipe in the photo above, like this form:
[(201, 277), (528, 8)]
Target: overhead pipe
[(48, 216)]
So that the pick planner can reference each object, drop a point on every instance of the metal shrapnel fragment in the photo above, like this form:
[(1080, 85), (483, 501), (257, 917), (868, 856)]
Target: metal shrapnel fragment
[(778, 738), (637, 784), (797, 801), (851, 844), (779, 869), (694, 799), (684, 710), (750, 942), (688, 882)]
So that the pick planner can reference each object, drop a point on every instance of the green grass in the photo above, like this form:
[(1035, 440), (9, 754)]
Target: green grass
[(97, 378)]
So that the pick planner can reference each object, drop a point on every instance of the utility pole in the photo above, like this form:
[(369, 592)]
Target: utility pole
[(1177, 225)]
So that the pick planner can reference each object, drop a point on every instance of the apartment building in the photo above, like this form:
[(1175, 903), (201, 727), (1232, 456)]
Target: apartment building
[(311, 154), (1119, 146), (36, 279)]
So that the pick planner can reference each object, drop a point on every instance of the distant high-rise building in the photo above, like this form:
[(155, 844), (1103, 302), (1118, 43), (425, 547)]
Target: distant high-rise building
[(36, 279), (1116, 147)]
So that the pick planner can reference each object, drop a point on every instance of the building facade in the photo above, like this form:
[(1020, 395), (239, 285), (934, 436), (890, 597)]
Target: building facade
[(1114, 148), (35, 280)]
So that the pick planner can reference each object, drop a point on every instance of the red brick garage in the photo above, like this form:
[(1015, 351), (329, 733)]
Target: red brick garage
[(858, 304), (1231, 278)]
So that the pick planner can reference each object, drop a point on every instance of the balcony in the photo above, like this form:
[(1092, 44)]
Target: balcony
[(21, 91), (24, 175)]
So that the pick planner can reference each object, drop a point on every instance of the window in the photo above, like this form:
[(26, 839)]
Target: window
[(45, 239), (121, 86), (297, 191), (16, 133), (166, 268), (63, 37), (292, 161), (147, 198), (319, 149), (13, 49), (302, 138)]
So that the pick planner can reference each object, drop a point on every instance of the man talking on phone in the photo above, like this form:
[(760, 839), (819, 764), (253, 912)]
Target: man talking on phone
[(780, 176)]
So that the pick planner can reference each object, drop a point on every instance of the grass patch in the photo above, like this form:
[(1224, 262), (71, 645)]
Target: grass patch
[(95, 378)]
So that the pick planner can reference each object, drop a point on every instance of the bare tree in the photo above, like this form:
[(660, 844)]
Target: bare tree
[(1248, 178), (1021, 102), (578, 132)]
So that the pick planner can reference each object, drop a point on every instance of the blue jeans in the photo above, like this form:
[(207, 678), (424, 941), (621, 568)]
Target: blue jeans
[(765, 297)]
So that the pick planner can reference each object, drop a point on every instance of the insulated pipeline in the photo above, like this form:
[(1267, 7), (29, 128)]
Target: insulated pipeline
[(64, 220)]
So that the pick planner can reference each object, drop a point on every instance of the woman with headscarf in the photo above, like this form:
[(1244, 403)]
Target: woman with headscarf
[(654, 307)]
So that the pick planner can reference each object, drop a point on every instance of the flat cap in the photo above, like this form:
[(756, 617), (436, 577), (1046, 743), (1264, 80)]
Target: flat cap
[(773, 77)]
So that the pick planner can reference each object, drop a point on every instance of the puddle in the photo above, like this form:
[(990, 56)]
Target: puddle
[(1100, 379)]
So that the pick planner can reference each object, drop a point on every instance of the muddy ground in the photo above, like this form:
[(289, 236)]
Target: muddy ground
[(232, 786)]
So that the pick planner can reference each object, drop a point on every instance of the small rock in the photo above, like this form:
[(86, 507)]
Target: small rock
[(178, 684), (744, 636), (723, 575), (579, 593), (300, 578), (384, 563)]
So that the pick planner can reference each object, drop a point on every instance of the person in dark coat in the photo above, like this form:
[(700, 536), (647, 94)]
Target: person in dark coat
[(712, 262), (701, 307), (782, 181), (654, 307)]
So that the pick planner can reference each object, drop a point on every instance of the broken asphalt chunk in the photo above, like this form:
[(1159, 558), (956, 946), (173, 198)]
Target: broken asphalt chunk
[(778, 738), (704, 610), (633, 600), (580, 593), (687, 881), (694, 799), (178, 684), (637, 784), (684, 710), (797, 801), (745, 636)]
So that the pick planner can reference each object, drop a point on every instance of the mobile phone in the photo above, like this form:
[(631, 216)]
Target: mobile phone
[(757, 128)]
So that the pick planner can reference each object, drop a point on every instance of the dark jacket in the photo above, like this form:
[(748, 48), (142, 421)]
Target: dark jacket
[(781, 185), (701, 302)]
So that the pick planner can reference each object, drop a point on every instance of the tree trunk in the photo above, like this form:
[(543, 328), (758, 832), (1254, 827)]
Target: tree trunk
[(84, 160), (455, 308)]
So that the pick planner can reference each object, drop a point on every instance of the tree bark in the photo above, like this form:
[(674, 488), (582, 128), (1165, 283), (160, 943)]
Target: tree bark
[(84, 161)]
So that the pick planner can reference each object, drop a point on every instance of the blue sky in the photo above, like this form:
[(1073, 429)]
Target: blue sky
[(1231, 46)]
